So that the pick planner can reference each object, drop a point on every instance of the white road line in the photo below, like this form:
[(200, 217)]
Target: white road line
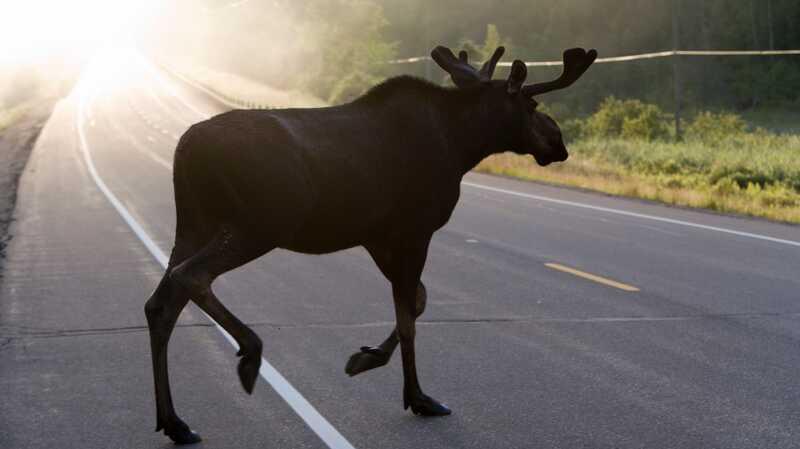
[(152, 155), (156, 98), (634, 214), (324, 430), (155, 158)]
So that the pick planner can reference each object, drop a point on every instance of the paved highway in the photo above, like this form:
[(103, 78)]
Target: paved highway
[(556, 318)]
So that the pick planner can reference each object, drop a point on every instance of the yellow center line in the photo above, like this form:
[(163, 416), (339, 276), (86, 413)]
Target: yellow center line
[(592, 277)]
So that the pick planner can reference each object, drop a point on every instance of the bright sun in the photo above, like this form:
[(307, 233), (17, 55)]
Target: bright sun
[(34, 29)]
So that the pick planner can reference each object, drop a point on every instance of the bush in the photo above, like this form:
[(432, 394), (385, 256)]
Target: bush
[(712, 128), (648, 125), (722, 164), (574, 129), (479, 52), (560, 112), (627, 118)]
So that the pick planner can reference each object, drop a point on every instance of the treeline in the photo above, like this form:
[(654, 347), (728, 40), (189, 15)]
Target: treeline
[(337, 48), (541, 29), (334, 49)]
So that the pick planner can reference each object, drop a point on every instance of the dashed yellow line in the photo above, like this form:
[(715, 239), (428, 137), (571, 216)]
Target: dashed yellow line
[(592, 277)]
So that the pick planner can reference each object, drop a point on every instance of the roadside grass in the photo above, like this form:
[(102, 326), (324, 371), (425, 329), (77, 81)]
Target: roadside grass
[(755, 174), (9, 116)]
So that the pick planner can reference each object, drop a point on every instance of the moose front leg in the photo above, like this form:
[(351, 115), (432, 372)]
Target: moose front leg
[(409, 260), (420, 403)]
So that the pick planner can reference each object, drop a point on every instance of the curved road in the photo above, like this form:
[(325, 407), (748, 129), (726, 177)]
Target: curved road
[(556, 318)]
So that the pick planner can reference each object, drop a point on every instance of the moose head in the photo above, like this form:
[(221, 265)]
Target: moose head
[(526, 130)]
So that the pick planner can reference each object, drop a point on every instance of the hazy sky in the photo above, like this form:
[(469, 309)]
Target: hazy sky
[(34, 29)]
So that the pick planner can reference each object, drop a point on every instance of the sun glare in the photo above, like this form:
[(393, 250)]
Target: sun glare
[(31, 30)]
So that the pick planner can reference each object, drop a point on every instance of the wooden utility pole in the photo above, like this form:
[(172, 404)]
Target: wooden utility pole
[(676, 76), (769, 24), (770, 88), (754, 29), (708, 79)]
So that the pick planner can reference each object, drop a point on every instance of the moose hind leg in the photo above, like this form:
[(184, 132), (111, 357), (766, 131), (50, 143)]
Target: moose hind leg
[(370, 357), (162, 310), (228, 250)]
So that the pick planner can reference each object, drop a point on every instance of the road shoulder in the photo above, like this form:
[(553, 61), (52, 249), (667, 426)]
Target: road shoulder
[(16, 143)]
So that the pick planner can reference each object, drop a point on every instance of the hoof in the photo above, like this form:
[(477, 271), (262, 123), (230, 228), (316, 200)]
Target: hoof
[(366, 360), (182, 434), (248, 371), (427, 406), (185, 437)]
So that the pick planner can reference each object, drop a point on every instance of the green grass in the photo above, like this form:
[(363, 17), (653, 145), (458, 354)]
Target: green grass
[(755, 174)]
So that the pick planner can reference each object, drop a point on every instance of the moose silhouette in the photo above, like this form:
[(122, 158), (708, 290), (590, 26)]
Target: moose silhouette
[(382, 172)]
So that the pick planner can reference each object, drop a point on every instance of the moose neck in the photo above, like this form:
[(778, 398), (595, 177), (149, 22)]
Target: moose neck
[(473, 129), (460, 121)]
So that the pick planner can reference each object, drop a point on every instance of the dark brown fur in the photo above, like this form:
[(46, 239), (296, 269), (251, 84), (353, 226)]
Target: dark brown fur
[(382, 172)]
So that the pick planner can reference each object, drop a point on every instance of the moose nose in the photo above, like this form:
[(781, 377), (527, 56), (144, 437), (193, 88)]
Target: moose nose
[(560, 153)]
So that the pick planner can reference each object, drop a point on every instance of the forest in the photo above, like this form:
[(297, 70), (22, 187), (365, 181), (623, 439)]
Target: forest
[(338, 48), (738, 145)]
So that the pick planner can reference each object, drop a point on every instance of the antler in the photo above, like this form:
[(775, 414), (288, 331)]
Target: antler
[(576, 61), (487, 70), (462, 73)]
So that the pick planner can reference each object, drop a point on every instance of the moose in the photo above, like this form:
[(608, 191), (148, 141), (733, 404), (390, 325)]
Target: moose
[(382, 172)]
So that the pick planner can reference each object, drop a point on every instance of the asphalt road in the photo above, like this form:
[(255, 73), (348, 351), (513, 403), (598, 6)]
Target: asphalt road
[(680, 329)]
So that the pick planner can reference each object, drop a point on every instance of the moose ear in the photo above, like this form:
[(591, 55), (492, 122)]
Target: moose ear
[(517, 77)]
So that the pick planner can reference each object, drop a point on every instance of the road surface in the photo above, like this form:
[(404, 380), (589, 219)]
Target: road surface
[(556, 318)]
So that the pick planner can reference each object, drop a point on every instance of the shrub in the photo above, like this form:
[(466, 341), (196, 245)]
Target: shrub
[(479, 52), (722, 164), (712, 128), (560, 112), (627, 118), (648, 125), (574, 129)]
